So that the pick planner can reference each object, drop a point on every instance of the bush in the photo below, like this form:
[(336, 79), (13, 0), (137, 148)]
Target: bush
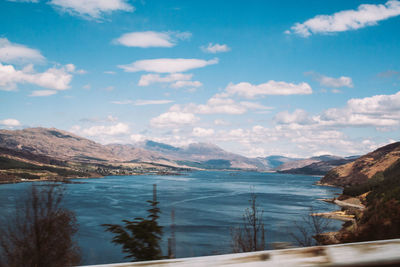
[(250, 236), (40, 232)]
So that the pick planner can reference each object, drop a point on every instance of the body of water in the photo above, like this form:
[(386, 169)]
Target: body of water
[(207, 204)]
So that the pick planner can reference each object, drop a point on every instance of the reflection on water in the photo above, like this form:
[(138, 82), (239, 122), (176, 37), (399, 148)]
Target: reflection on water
[(206, 205)]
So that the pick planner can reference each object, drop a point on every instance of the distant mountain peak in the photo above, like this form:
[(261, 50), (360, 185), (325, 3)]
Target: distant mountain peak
[(153, 144)]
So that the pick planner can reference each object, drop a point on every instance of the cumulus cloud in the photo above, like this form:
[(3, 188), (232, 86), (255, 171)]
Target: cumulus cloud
[(110, 130), (298, 116), (172, 119), (365, 15), (151, 39), (323, 80), (148, 79), (167, 65), (180, 84), (221, 122), (376, 111), (292, 141), (202, 132), (220, 105), (53, 78), (92, 8), (217, 105), (10, 122), (13, 53), (175, 80), (136, 138), (215, 48), (249, 90)]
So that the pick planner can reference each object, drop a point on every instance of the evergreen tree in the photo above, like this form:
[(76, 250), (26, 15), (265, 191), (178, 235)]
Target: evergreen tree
[(140, 238)]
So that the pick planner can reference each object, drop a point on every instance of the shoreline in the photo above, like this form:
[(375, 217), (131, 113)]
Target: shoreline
[(349, 208), (68, 179)]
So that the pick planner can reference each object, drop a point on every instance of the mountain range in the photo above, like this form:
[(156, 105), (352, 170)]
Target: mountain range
[(67, 147)]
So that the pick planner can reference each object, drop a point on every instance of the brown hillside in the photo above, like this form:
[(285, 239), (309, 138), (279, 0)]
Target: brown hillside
[(63, 145), (359, 171)]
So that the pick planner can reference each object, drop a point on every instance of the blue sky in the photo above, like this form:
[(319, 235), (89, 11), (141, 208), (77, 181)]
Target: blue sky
[(258, 78)]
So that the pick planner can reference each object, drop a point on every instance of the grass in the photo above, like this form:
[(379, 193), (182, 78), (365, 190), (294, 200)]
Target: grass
[(9, 164)]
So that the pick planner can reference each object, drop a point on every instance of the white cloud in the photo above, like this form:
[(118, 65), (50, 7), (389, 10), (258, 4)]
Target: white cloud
[(202, 132), (43, 93), (151, 39), (221, 122), (175, 80), (254, 105), (249, 90), (151, 102), (52, 78), (111, 130), (220, 105), (217, 105), (71, 68), (303, 134), (172, 119), (92, 8), (148, 79), (323, 80), (18, 54), (136, 138), (375, 111), (365, 15), (167, 65), (299, 116), (180, 84), (286, 140), (10, 122), (215, 48)]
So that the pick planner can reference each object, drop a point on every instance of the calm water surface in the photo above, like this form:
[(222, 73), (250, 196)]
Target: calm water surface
[(206, 205)]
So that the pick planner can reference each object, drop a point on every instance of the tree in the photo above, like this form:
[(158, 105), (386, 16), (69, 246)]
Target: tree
[(250, 236), (308, 228), (41, 232), (140, 238)]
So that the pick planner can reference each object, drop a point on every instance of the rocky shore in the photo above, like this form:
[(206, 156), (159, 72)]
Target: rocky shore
[(350, 208)]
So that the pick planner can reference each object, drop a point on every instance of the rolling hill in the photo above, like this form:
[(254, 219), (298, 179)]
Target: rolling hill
[(363, 168)]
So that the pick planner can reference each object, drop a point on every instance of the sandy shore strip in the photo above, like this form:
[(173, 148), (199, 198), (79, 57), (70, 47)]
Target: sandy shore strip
[(335, 215)]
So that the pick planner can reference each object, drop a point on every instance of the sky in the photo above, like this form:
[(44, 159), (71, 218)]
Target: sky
[(258, 78)]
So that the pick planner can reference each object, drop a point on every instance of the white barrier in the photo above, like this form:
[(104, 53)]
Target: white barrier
[(374, 253)]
